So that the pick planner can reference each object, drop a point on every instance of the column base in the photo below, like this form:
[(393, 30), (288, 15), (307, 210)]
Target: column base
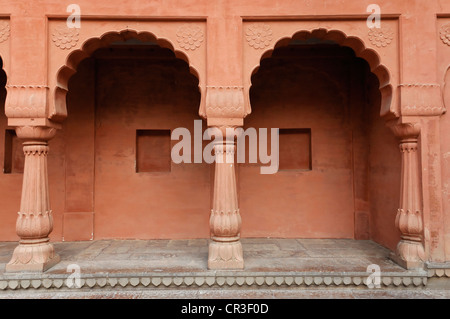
[(225, 255), (33, 258), (409, 265), (410, 255)]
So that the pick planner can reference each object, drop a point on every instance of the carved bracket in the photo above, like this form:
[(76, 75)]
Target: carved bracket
[(405, 131), (225, 105), (26, 101)]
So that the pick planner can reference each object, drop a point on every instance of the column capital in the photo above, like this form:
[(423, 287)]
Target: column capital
[(35, 133), (405, 131), (229, 133)]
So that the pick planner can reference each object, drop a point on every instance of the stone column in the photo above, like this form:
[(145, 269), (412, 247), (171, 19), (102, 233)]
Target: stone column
[(410, 250), (34, 221), (225, 249), (225, 108)]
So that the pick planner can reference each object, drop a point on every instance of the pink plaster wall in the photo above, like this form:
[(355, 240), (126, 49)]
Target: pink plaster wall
[(133, 94)]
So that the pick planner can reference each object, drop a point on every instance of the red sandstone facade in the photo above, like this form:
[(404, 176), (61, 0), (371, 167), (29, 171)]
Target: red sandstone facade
[(364, 136)]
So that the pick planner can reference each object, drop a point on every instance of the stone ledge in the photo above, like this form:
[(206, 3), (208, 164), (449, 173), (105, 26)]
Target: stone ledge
[(200, 281)]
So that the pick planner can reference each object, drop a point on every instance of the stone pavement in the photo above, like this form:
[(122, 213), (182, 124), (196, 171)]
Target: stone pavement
[(274, 268)]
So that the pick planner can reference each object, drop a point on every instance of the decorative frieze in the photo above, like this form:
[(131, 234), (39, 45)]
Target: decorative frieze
[(439, 272), (206, 281), (421, 99)]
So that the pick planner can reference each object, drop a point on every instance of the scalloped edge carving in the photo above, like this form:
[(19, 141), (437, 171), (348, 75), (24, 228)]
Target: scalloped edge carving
[(58, 108), (361, 51)]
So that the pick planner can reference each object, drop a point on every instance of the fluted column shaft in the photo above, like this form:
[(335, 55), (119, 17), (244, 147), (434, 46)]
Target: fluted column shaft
[(410, 250), (225, 249), (34, 221)]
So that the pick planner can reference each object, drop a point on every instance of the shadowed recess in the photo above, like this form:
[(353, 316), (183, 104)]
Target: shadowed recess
[(110, 39), (331, 37)]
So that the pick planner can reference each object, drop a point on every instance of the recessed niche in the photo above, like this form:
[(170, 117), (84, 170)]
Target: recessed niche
[(14, 158), (295, 149), (153, 151)]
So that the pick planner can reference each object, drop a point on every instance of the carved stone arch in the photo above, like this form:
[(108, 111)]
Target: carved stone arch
[(3, 74), (5, 33), (58, 108), (388, 110), (3, 67)]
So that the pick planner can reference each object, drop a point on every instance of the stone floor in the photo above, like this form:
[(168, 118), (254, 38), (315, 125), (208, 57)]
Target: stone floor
[(274, 268), (261, 255)]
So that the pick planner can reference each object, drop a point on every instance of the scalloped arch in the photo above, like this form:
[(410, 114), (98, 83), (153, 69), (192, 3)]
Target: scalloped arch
[(356, 44), (446, 87), (90, 46), (3, 69)]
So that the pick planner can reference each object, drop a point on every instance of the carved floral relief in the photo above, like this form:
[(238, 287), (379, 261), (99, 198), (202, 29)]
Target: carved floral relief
[(4, 31), (381, 37), (259, 35), (65, 38), (190, 37), (445, 33)]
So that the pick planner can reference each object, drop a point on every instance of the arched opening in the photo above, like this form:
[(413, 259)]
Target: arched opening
[(123, 102), (446, 88), (12, 159), (339, 168)]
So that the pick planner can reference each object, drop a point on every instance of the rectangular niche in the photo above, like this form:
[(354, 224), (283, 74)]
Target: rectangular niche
[(153, 149), (295, 149), (14, 159)]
